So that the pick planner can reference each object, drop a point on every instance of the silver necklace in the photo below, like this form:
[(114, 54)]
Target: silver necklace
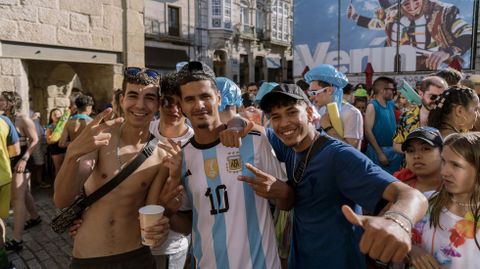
[(302, 165), (462, 204)]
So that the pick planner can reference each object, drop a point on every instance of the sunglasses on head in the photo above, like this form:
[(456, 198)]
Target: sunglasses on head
[(134, 72)]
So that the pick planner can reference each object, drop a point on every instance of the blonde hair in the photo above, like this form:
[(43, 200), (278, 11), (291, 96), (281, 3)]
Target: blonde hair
[(466, 145)]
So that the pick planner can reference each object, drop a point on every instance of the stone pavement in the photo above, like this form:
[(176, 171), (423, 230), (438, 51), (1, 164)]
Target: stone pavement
[(42, 248)]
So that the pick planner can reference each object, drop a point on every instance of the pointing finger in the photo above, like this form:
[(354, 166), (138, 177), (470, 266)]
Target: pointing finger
[(256, 171)]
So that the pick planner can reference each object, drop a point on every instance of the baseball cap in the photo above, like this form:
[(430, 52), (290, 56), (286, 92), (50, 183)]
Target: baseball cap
[(427, 134), (290, 90)]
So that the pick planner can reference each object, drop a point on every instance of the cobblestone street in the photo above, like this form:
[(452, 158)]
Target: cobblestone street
[(42, 247)]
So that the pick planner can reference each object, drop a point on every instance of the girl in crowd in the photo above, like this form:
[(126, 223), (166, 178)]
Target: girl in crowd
[(449, 235), (22, 199), (456, 110), (422, 149), (57, 153)]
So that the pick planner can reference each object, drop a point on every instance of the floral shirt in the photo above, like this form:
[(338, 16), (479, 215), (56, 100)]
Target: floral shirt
[(409, 121), (452, 243)]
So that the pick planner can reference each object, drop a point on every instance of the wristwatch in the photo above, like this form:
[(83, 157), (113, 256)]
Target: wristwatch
[(24, 158)]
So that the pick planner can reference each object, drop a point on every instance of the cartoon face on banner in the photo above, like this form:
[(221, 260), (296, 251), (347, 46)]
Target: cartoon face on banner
[(393, 35)]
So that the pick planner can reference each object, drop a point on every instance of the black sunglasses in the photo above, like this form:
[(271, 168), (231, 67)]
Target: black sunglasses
[(434, 97), (134, 72)]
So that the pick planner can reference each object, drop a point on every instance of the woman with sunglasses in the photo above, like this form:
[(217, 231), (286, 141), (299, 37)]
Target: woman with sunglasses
[(456, 110)]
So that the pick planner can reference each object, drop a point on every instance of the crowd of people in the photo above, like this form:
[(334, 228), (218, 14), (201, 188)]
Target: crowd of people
[(316, 174)]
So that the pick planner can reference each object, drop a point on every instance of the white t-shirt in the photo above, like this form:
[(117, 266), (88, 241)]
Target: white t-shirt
[(352, 121), (452, 245), (232, 227), (175, 242)]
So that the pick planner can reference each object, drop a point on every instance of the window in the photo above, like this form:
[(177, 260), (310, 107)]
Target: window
[(280, 22), (173, 21), (221, 14), (245, 18)]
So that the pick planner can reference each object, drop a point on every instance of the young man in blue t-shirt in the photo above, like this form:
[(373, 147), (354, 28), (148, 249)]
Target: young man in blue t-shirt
[(336, 178)]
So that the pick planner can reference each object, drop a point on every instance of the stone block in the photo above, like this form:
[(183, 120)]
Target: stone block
[(25, 13), (135, 22), (62, 102), (113, 18), (50, 103), (7, 83), (33, 264), (36, 32), (9, 2), (54, 17), (41, 3), (103, 41), (117, 3), (8, 30), (136, 5), (79, 22), (88, 7), (96, 22), (118, 41), (69, 38), (52, 90), (10, 67)]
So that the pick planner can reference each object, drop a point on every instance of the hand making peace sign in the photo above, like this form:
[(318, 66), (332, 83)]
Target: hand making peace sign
[(94, 135)]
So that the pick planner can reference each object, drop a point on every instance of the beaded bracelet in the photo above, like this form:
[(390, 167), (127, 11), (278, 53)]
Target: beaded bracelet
[(397, 221), (398, 213)]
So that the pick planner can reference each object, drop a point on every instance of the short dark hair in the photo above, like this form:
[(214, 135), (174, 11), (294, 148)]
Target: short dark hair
[(348, 89), (302, 84), (168, 85), (248, 99), (83, 101), (195, 71), (380, 82), (282, 100), (252, 84)]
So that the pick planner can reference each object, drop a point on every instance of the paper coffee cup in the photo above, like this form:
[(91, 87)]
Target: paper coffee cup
[(149, 215)]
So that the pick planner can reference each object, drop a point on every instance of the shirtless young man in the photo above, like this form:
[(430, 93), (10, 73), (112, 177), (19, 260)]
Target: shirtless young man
[(77, 122), (22, 199), (110, 230)]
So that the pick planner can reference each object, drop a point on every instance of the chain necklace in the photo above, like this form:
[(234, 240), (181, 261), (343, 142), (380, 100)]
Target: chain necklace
[(302, 165), (462, 204)]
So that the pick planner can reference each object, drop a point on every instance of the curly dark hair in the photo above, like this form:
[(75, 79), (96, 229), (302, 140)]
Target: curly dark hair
[(14, 101), (446, 102)]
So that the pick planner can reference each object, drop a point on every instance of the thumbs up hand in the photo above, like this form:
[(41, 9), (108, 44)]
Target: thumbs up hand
[(382, 239)]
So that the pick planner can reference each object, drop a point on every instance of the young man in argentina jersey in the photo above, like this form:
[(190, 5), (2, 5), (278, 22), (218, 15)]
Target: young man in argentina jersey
[(231, 226)]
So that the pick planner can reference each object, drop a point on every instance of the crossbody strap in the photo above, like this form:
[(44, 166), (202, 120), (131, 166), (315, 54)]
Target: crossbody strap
[(322, 139), (123, 174)]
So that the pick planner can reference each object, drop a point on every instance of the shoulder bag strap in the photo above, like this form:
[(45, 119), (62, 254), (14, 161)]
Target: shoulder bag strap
[(123, 174)]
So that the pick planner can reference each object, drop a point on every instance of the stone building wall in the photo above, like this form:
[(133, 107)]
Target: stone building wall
[(71, 33)]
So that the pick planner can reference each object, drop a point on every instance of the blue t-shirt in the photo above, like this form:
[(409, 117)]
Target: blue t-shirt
[(336, 175), (385, 125)]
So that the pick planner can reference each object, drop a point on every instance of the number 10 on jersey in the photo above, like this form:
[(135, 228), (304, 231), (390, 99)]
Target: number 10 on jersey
[(221, 197)]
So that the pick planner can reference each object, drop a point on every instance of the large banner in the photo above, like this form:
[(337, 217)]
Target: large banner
[(393, 35)]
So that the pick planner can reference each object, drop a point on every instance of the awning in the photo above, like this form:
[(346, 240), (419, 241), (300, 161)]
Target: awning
[(273, 63), (160, 58)]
